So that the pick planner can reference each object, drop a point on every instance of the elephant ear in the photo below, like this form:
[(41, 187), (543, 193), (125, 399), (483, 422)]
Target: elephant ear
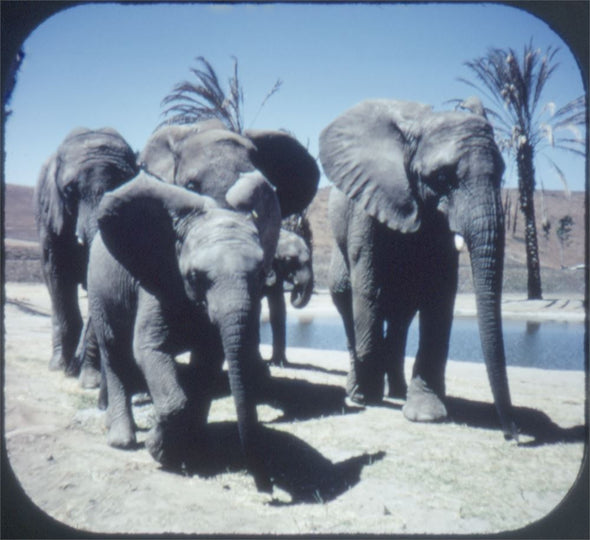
[(363, 153), (159, 156), (288, 166), (140, 223), (254, 194), (49, 205)]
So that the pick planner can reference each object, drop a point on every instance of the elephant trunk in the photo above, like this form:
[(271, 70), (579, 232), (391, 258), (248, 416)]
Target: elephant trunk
[(238, 321), (302, 288), (484, 235)]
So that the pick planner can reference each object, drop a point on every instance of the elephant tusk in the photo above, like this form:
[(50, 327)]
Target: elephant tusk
[(80, 240), (459, 242)]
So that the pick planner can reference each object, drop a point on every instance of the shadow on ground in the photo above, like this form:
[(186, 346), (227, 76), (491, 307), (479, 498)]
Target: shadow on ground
[(531, 422), (293, 465), (318, 369), (302, 400), (296, 398)]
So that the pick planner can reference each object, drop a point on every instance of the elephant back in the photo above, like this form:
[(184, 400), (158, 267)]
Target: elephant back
[(208, 159), (84, 149)]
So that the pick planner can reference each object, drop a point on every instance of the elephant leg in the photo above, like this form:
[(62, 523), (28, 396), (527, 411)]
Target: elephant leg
[(365, 384), (103, 397), (341, 293), (366, 376), (60, 263), (119, 416), (202, 378), (88, 357), (173, 435), (66, 323), (395, 345), (426, 392), (278, 323)]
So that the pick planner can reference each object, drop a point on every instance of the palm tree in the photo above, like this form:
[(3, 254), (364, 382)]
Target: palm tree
[(192, 102), (523, 128)]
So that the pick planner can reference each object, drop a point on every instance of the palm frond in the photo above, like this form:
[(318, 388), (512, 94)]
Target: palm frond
[(192, 102), (271, 92), (560, 175)]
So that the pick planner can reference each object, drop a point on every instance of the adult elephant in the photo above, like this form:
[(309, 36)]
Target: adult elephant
[(70, 186), (410, 183), (293, 265), (208, 158), (173, 271)]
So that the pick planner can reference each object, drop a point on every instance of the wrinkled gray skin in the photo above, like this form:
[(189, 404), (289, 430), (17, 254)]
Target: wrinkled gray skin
[(292, 264), (407, 179), (71, 184), (208, 159), (172, 271)]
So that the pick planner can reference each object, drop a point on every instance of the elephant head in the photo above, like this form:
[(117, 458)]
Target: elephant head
[(187, 250), (294, 264), (72, 182), (402, 162), (208, 159)]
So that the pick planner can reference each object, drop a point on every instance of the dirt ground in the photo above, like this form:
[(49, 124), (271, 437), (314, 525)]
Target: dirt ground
[(336, 471)]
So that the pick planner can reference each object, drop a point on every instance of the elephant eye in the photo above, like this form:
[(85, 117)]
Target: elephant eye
[(198, 285), (70, 190), (193, 186), (444, 179)]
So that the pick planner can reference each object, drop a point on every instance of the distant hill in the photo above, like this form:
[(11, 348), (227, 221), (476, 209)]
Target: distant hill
[(19, 221), (22, 252), (555, 204)]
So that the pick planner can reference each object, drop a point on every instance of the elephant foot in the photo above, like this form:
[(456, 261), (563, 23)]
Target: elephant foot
[(396, 388), (422, 404), (121, 434), (261, 477), (370, 393), (279, 360), (173, 442), (57, 363), (89, 377), (357, 398)]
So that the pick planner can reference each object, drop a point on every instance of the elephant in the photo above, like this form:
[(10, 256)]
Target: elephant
[(72, 181), (207, 158), (292, 264), (409, 184), (173, 271)]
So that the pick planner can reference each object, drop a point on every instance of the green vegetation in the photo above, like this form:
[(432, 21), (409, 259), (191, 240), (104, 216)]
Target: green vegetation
[(514, 85)]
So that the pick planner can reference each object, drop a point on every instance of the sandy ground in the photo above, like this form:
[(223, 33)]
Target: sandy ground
[(336, 470)]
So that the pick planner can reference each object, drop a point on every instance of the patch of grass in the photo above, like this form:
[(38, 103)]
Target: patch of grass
[(85, 400)]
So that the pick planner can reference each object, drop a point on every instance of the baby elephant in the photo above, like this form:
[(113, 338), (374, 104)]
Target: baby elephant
[(292, 264), (172, 271)]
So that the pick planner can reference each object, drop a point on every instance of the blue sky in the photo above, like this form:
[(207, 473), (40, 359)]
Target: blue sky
[(98, 65)]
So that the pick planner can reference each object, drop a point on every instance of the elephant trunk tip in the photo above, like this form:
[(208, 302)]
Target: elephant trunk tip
[(511, 431)]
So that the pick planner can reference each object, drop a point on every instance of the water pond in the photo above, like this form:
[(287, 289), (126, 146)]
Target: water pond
[(547, 345)]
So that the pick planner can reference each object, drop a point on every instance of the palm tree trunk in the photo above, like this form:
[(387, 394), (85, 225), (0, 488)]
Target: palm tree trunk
[(526, 187)]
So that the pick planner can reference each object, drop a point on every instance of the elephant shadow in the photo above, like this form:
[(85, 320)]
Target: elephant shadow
[(317, 369), (293, 465), (296, 398), (302, 400), (531, 422)]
